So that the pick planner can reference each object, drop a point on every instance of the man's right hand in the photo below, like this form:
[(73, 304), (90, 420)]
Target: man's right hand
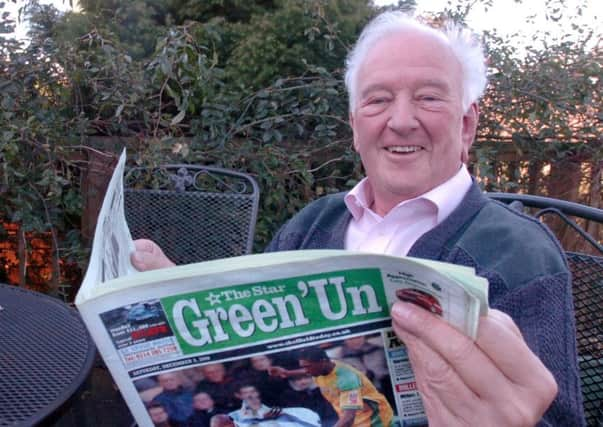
[(149, 256), (495, 380)]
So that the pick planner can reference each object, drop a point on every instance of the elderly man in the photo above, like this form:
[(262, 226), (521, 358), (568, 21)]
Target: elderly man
[(413, 110)]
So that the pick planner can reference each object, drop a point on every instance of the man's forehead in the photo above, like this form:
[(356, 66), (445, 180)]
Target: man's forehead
[(409, 38), (417, 57), (411, 47)]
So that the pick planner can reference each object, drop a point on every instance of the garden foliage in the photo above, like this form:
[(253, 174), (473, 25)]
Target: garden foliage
[(251, 85)]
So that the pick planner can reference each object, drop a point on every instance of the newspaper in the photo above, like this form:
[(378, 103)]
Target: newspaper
[(283, 339), (112, 242)]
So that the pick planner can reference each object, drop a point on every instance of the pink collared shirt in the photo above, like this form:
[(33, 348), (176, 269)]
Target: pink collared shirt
[(396, 232)]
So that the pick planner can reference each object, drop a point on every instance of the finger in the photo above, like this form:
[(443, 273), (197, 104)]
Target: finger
[(500, 339), (505, 320), (445, 396), (142, 261), (144, 245), (471, 364), (149, 256)]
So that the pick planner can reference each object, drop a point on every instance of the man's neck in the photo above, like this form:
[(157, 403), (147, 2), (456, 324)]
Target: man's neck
[(382, 204), (383, 208)]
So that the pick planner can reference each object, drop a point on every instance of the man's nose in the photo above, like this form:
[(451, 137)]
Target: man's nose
[(403, 115)]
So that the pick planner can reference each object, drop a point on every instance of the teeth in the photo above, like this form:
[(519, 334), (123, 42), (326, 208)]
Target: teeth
[(403, 149)]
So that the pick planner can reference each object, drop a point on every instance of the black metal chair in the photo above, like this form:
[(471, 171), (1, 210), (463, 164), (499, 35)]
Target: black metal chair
[(195, 213), (587, 287)]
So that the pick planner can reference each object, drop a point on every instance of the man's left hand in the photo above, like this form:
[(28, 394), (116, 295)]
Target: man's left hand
[(149, 256), (495, 381)]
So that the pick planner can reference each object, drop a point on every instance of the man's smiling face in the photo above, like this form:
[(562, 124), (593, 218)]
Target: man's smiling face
[(408, 121)]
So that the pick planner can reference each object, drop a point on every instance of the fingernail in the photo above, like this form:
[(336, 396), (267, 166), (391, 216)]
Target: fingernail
[(401, 312)]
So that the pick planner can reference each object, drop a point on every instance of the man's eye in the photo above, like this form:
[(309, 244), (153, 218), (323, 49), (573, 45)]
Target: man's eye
[(375, 105)]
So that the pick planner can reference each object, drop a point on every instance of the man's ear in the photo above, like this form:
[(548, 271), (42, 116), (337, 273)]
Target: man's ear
[(470, 119), (351, 118)]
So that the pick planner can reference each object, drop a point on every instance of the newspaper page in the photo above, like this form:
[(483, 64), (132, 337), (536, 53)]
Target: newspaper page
[(201, 340), (112, 242)]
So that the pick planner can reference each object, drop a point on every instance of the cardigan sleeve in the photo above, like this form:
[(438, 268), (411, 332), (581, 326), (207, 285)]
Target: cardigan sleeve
[(543, 310)]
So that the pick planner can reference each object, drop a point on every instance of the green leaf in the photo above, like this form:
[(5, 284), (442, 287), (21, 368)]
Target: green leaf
[(119, 110), (173, 95), (178, 118), (166, 67), (7, 135)]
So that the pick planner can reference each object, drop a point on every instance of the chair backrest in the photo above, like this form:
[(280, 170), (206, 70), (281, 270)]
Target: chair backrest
[(587, 288), (195, 213)]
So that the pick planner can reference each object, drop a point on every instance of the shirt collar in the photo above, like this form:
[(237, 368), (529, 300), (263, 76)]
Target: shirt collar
[(446, 196), (359, 199)]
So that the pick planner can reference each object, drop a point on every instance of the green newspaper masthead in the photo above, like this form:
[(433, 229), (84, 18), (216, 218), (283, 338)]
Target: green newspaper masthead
[(252, 313)]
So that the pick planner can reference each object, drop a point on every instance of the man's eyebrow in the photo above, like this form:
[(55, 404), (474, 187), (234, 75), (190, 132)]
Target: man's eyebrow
[(373, 88), (437, 83), (421, 83)]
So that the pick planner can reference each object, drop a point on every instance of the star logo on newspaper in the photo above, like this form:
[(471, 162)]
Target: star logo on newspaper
[(213, 299)]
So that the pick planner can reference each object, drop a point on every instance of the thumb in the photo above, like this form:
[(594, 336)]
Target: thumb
[(145, 245), (149, 256)]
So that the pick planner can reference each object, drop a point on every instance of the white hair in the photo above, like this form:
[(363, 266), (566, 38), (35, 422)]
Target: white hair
[(464, 44)]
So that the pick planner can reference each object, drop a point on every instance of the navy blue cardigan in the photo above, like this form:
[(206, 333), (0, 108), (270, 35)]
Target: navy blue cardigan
[(523, 262)]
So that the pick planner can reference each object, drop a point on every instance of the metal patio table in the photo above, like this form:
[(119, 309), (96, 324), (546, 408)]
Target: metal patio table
[(45, 355)]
